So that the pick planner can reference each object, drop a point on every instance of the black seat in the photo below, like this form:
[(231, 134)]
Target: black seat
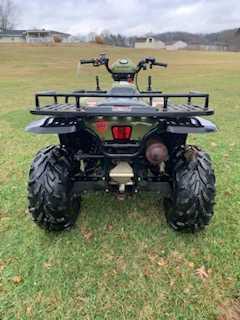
[(123, 90)]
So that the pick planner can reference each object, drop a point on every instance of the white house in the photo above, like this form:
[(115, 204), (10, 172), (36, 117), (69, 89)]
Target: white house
[(45, 36), (33, 36), (12, 36), (149, 43), (152, 43), (178, 45)]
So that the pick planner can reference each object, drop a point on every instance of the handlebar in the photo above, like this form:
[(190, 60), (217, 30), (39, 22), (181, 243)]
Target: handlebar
[(142, 65), (87, 61), (160, 64), (152, 62)]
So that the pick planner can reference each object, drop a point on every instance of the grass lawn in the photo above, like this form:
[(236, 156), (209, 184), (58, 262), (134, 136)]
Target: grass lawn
[(121, 261)]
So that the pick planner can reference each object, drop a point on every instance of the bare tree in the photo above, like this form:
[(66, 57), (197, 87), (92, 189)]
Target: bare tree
[(8, 15)]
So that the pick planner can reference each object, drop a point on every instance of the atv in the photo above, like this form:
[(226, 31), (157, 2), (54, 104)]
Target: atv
[(123, 141)]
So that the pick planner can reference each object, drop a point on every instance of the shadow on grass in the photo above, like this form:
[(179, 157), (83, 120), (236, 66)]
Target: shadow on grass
[(137, 218)]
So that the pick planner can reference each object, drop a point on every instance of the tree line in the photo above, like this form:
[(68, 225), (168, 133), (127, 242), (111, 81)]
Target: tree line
[(8, 15)]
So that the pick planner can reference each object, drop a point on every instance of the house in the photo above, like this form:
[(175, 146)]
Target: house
[(152, 43), (45, 36), (178, 45), (149, 43), (12, 36), (33, 36)]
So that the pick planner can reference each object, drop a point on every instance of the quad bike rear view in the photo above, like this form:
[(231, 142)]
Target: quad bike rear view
[(123, 140)]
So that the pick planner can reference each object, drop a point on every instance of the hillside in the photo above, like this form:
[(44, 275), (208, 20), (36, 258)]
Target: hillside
[(230, 38)]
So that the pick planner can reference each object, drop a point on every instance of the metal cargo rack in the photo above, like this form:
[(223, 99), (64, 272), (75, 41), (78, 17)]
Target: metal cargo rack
[(69, 105)]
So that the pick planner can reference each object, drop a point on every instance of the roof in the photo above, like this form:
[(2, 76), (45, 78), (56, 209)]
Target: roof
[(49, 31), (171, 43), (60, 33), (12, 33), (144, 39), (141, 39), (21, 33)]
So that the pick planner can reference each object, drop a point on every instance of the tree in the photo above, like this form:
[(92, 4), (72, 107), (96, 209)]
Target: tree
[(57, 39), (99, 40), (91, 36), (114, 39), (8, 15)]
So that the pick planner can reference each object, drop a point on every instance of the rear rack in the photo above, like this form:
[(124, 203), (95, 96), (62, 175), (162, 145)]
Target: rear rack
[(122, 106)]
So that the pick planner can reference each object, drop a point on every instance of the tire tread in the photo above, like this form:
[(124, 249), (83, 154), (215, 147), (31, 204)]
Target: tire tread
[(191, 207), (52, 204)]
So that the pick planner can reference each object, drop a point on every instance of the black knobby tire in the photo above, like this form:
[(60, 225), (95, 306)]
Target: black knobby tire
[(52, 203), (191, 206)]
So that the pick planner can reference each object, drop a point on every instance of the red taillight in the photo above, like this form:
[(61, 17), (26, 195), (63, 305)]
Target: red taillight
[(121, 132)]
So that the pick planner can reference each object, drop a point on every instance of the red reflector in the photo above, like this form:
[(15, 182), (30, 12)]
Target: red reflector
[(101, 126), (122, 133)]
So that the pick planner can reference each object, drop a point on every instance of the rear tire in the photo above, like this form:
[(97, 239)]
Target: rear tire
[(191, 206), (52, 203)]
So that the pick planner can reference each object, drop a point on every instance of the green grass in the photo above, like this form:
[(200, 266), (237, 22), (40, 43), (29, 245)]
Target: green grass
[(121, 261)]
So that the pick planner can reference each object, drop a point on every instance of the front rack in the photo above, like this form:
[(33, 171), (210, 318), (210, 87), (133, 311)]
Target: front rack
[(70, 104)]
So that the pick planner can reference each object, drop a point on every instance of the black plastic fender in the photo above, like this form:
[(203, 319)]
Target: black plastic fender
[(196, 125), (52, 125)]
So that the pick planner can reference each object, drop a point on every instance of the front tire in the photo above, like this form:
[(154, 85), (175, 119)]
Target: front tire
[(52, 203), (191, 206)]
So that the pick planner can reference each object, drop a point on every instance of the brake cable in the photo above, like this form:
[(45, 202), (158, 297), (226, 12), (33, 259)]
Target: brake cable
[(141, 66)]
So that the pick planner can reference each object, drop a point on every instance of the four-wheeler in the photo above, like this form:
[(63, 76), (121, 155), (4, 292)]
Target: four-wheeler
[(123, 140)]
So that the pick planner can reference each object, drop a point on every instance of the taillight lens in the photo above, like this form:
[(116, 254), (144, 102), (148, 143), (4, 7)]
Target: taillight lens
[(121, 132)]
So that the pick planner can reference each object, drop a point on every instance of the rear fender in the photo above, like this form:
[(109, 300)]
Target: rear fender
[(52, 125), (198, 125)]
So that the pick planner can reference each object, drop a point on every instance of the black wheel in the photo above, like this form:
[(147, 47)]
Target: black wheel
[(52, 203), (191, 206)]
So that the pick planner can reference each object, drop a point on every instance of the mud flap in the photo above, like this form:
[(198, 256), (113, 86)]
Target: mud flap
[(195, 125), (50, 125)]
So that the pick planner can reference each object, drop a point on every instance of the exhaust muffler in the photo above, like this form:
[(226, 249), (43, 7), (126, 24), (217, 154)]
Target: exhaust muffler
[(156, 152)]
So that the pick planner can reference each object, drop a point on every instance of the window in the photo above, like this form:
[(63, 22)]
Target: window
[(150, 39)]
